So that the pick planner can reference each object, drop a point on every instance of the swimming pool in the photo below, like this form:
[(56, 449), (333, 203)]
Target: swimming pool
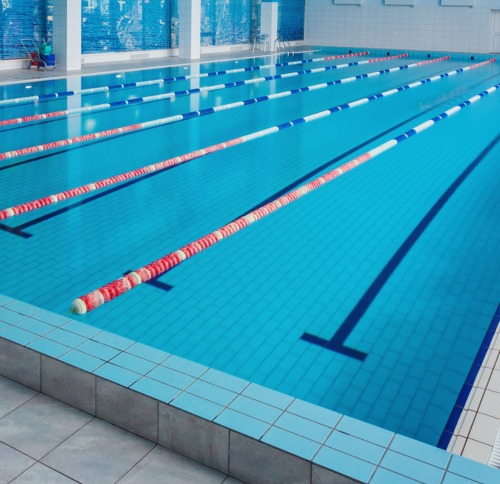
[(401, 252)]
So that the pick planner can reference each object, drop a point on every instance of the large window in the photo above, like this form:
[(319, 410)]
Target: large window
[(23, 19), (291, 19), (226, 22), (128, 25)]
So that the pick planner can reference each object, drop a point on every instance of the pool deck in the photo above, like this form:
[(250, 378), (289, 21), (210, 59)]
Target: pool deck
[(35, 350), (44, 440)]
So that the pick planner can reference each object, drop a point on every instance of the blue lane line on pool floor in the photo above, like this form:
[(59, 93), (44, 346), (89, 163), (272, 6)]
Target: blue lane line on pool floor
[(337, 341), (19, 230), (155, 283), (469, 382)]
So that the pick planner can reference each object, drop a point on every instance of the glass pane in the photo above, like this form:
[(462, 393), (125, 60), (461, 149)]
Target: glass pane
[(291, 19)]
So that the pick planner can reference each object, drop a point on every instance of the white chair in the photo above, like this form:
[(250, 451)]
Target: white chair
[(262, 40)]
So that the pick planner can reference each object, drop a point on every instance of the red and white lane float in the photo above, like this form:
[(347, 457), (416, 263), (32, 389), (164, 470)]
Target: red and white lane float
[(162, 165), (110, 291), (186, 92), (117, 87), (160, 97)]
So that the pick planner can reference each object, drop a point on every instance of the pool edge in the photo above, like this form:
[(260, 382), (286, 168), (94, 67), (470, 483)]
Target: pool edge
[(205, 414)]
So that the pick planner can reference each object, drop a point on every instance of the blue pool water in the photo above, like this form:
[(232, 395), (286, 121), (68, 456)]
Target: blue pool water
[(403, 251)]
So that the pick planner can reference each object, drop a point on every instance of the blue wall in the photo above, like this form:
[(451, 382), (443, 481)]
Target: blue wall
[(128, 25)]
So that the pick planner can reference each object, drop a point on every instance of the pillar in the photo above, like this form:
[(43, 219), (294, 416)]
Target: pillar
[(67, 32), (189, 28), (269, 20)]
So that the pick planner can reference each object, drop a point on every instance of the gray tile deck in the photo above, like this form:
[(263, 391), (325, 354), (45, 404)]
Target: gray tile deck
[(45, 441)]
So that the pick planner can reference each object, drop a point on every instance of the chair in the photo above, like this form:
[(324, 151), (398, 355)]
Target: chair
[(263, 40)]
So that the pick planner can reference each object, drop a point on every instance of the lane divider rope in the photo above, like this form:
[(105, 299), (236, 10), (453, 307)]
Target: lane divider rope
[(118, 287), (117, 87), (184, 92), (178, 160), (53, 145)]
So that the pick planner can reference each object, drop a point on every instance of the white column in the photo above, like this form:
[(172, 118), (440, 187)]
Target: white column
[(189, 28), (67, 33), (269, 21)]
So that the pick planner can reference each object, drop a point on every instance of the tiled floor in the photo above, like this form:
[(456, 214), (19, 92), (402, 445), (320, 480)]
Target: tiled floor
[(43, 440)]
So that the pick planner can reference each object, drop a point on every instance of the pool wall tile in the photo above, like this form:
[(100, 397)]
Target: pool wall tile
[(194, 437), (212, 393), (224, 380), (148, 353), (18, 335), (155, 389), (127, 409), (68, 384), (20, 364), (321, 475), (197, 406), (242, 423), (48, 347), (314, 412), (266, 395), (303, 427), (419, 450), (82, 360), (185, 366), (290, 442), (99, 350), (252, 461), (344, 464), (117, 374), (113, 340)]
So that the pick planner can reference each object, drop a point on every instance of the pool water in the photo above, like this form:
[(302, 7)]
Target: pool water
[(402, 252)]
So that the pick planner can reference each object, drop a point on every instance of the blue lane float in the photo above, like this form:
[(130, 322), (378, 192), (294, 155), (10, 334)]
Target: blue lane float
[(153, 82), (160, 97), (53, 145)]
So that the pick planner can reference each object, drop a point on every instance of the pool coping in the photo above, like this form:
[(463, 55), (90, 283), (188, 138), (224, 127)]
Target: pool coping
[(250, 432)]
